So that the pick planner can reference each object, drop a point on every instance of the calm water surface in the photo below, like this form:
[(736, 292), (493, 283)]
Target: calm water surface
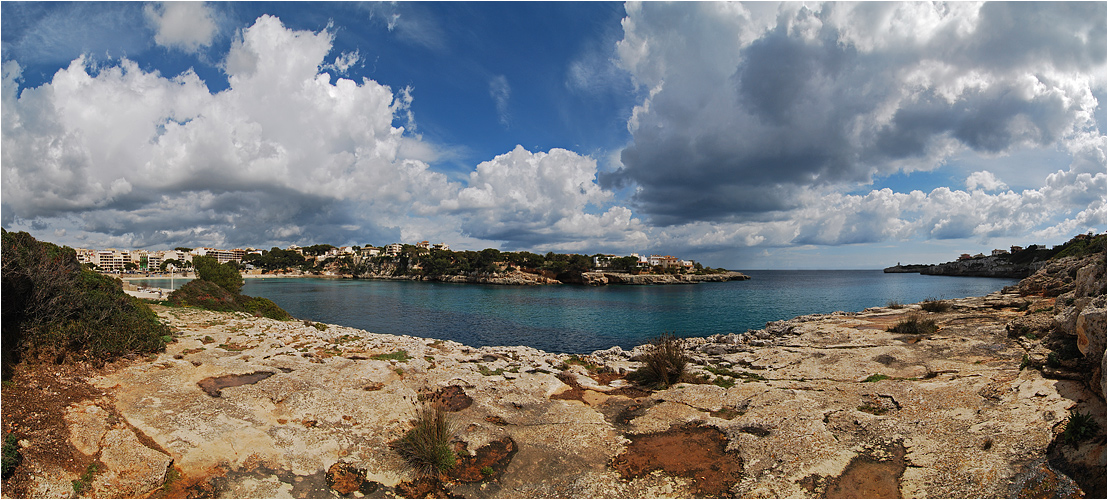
[(581, 319)]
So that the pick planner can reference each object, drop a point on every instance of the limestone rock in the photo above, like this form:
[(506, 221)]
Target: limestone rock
[(1090, 280), (1037, 324), (1090, 340), (87, 425), (1090, 332), (132, 469)]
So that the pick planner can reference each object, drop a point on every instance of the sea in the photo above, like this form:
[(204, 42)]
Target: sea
[(582, 319)]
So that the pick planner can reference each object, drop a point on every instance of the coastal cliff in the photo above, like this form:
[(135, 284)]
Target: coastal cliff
[(1020, 263), (993, 266), (816, 406)]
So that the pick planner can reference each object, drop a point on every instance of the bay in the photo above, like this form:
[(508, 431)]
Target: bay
[(580, 319)]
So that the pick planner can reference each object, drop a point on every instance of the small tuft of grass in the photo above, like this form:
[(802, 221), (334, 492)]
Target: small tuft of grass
[(663, 363), (931, 304), (171, 476), (233, 347), (1079, 427), (574, 359), (484, 370), (725, 383), (745, 376), (11, 454), (914, 324), (873, 410), (893, 304), (82, 483), (876, 377), (487, 471), (427, 445), (1025, 362), (399, 355)]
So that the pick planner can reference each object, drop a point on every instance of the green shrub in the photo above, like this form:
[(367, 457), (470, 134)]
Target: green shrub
[(205, 295), (1083, 247), (53, 309), (914, 324), (1079, 427), (209, 295), (261, 306), (932, 304), (663, 363), (427, 445), (11, 455), (225, 275), (876, 377)]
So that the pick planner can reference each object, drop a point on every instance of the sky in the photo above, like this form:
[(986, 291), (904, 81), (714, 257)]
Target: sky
[(741, 135)]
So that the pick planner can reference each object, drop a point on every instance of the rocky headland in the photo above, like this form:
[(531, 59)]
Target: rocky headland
[(1020, 264), (597, 278), (993, 266), (820, 406)]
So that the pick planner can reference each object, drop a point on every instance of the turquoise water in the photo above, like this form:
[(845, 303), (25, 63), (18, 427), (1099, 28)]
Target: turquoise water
[(579, 319)]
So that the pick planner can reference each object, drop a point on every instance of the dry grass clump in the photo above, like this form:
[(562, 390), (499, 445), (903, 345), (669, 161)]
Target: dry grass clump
[(931, 304), (427, 445), (914, 324), (663, 363)]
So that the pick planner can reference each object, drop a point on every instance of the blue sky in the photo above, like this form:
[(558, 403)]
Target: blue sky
[(748, 135)]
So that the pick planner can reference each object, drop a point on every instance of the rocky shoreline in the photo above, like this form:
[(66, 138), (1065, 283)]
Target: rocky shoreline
[(598, 278), (985, 267), (815, 406)]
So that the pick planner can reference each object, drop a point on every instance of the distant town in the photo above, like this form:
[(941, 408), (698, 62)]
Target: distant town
[(329, 259)]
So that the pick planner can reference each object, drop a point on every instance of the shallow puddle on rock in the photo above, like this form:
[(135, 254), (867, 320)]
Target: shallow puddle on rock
[(867, 477), (688, 451), (214, 385)]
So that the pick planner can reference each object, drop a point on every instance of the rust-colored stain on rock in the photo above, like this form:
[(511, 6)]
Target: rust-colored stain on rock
[(688, 451), (495, 455), (451, 398)]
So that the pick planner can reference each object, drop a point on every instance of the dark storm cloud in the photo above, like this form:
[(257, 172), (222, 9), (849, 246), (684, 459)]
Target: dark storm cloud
[(820, 99)]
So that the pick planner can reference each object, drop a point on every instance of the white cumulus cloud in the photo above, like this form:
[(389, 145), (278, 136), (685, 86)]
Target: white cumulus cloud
[(542, 200), (984, 180), (280, 150), (183, 25)]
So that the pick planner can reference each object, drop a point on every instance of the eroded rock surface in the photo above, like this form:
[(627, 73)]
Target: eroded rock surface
[(829, 405), (803, 408)]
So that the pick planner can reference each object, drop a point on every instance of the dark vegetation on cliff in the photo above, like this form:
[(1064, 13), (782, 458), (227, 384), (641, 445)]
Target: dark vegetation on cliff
[(55, 310), (217, 288), (436, 263), (1020, 264), (1078, 246)]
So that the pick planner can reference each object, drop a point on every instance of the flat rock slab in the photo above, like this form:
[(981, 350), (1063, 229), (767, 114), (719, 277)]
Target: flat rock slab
[(822, 407)]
